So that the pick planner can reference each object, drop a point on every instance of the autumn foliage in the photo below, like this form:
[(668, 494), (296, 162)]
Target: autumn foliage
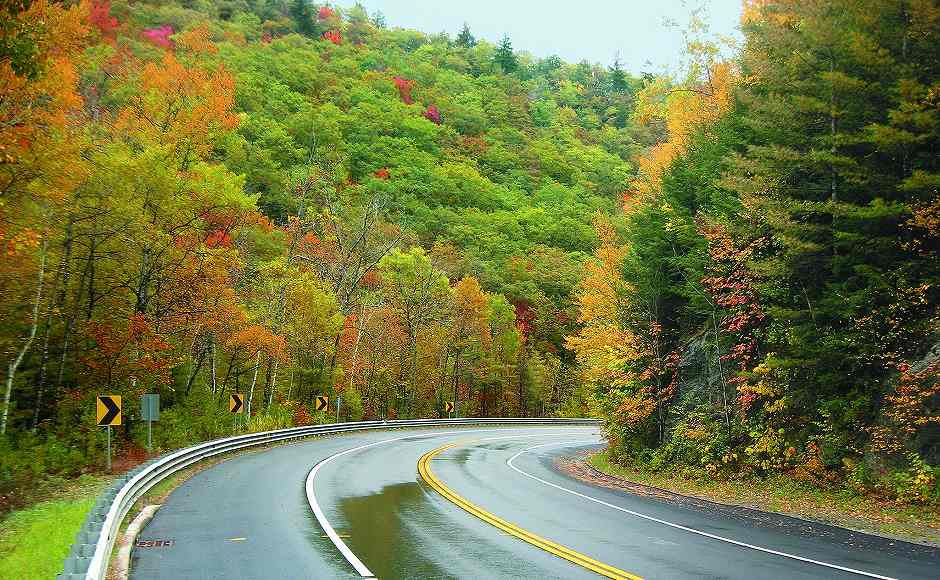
[(762, 307), (404, 89), (334, 36), (433, 114)]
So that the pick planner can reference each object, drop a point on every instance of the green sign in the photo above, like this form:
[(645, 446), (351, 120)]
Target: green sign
[(150, 407)]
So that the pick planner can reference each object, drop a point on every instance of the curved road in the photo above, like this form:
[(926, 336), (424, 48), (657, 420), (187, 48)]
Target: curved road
[(250, 517)]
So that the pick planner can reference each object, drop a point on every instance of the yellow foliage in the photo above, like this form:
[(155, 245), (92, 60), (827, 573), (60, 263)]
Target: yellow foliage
[(604, 343), (685, 111)]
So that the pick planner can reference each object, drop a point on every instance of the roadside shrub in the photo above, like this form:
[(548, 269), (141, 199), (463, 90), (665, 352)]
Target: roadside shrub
[(918, 484), (276, 416)]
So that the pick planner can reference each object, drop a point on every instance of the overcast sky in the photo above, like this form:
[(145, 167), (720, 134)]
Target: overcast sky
[(574, 30)]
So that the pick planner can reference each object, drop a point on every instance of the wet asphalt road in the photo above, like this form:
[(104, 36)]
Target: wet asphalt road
[(249, 518)]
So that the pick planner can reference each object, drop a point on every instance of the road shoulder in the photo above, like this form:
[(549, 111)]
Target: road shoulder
[(579, 467)]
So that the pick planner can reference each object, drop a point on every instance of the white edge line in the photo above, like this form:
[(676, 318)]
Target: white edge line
[(679, 526), (356, 563)]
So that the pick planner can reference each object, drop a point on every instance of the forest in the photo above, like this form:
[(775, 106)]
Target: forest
[(736, 269)]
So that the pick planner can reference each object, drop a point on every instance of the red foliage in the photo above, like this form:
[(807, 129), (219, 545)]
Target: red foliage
[(159, 36), (100, 17), (433, 115), (371, 279), (136, 351), (733, 288), (325, 12), (266, 38), (219, 239), (404, 89), (382, 173), (525, 319), (334, 36), (130, 457), (302, 416)]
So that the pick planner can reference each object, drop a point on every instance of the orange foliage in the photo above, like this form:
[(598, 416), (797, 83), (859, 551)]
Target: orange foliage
[(604, 341), (686, 111), (909, 409), (186, 107), (198, 40), (40, 111), (256, 338), (35, 109)]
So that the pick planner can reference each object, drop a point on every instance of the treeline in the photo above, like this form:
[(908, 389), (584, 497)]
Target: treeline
[(285, 199), (768, 301)]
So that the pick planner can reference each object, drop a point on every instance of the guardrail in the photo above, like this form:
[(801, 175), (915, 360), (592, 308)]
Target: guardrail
[(91, 552)]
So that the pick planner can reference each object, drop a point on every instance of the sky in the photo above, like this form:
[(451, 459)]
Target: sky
[(575, 30)]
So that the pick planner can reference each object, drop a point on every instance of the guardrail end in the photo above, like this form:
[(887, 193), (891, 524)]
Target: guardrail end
[(88, 535), (75, 565), (95, 517), (82, 551)]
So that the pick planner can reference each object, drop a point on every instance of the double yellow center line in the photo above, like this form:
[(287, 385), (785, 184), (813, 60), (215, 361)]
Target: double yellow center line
[(424, 468)]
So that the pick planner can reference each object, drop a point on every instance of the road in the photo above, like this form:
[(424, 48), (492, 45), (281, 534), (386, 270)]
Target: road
[(251, 517)]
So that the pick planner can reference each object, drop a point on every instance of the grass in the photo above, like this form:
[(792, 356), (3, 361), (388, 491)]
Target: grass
[(35, 541), (786, 495)]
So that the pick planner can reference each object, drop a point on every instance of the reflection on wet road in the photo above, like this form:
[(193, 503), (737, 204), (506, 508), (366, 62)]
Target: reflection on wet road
[(383, 525), (400, 528)]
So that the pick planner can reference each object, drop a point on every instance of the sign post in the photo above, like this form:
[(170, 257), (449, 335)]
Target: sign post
[(339, 401), (150, 412), (236, 406), (108, 414)]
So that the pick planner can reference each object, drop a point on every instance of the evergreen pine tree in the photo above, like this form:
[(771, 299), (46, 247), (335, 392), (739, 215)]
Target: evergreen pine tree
[(465, 38), (618, 79), (505, 57), (302, 14), (830, 176), (378, 19)]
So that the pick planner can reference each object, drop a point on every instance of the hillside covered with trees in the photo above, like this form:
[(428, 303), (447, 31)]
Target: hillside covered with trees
[(771, 303), (737, 270), (285, 200)]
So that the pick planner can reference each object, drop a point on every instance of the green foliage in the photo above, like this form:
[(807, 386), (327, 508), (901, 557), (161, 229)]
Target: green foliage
[(505, 57), (784, 255), (35, 541)]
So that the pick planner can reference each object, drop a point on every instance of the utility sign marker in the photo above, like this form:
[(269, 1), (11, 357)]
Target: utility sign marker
[(150, 412), (108, 410), (236, 403), (323, 403)]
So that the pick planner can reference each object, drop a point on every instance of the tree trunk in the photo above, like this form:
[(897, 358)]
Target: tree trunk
[(214, 376), (228, 374), (15, 363), (360, 326), (89, 311), (192, 376), (58, 297), (456, 380), (268, 383), (254, 381), (523, 411), (414, 376)]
